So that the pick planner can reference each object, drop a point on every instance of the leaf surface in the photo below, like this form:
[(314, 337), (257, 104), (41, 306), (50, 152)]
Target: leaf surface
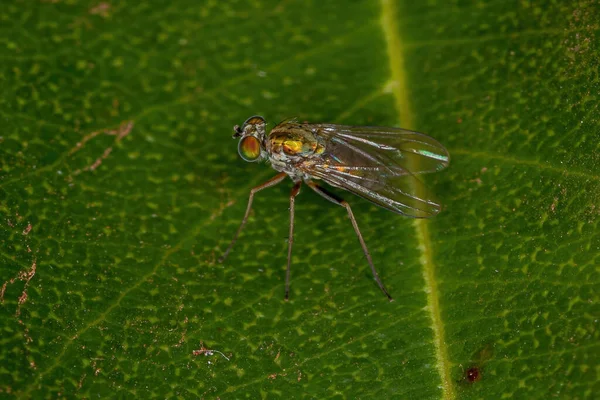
[(120, 187)]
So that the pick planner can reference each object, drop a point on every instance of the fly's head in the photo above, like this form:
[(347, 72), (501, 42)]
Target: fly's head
[(252, 136)]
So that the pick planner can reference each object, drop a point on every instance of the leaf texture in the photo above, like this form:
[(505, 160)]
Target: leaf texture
[(120, 186)]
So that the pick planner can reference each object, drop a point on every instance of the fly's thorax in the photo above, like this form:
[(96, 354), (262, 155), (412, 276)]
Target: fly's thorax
[(293, 142)]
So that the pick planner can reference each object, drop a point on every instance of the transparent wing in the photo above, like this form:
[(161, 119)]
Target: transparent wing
[(381, 165)]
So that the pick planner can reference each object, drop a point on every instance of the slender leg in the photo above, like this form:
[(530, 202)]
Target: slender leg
[(271, 182), (293, 194), (337, 200)]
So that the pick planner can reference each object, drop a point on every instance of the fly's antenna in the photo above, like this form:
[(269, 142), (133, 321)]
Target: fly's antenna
[(237, 131)]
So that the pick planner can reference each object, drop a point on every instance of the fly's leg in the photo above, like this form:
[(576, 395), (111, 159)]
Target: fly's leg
[(293, 194), (271, 182), (339, 201)]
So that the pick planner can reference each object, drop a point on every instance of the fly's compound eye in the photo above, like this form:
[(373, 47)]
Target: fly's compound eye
[(249, 148)]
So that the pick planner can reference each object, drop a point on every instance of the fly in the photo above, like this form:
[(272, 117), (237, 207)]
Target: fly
[(380, 164)]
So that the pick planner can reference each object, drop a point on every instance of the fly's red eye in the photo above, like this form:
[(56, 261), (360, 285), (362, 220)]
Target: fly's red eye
[(249, 148)]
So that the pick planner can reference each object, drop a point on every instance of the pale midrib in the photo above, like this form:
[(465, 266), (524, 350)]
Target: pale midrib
[(396, 59)]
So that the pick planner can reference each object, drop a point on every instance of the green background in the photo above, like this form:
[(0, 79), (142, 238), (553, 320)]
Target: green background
[(108, 249)]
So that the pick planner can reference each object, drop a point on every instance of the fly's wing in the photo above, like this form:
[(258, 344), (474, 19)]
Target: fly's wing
[(380, 165)]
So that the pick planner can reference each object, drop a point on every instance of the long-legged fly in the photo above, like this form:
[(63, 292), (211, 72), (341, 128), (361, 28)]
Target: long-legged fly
[(380, 164)]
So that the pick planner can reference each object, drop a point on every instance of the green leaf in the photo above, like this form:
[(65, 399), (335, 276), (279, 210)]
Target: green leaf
[(120, 187)]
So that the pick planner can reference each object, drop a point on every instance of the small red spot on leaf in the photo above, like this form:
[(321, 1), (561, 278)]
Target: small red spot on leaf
[(473, 375)]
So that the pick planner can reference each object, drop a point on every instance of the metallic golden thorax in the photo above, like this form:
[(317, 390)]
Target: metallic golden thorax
[(293, 139)]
